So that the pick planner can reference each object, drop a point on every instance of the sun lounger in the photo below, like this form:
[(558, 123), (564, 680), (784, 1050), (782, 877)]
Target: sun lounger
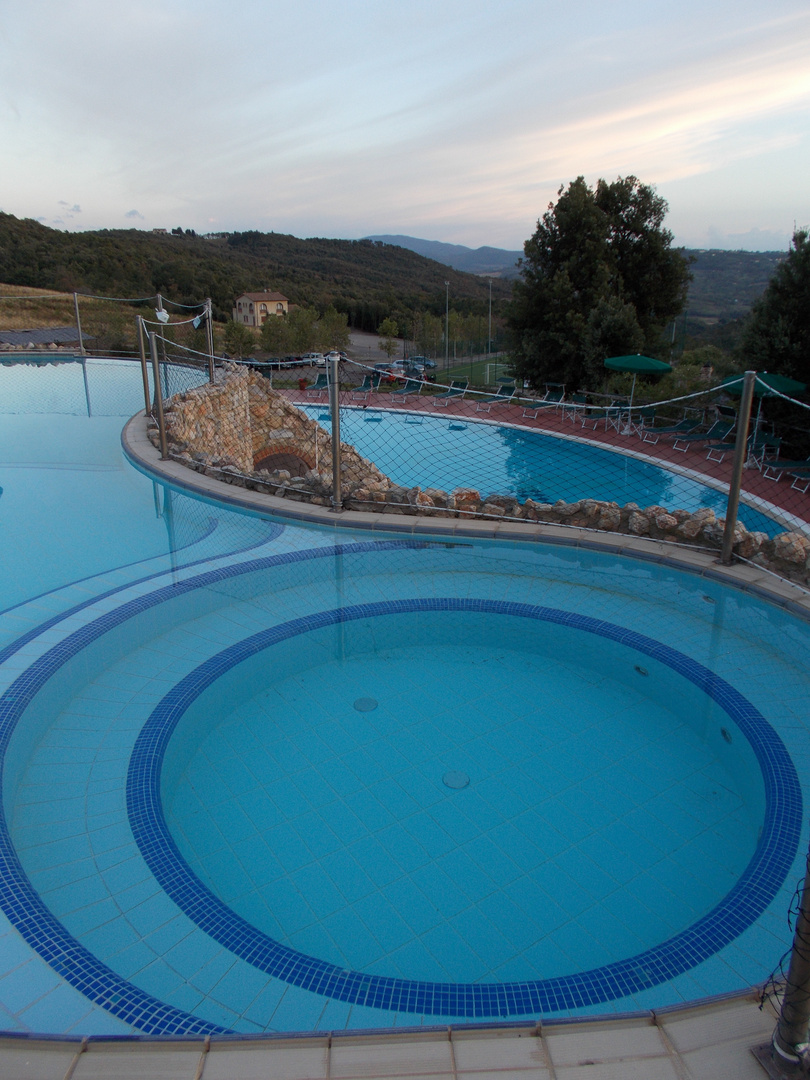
[(370, 382), (574, 406), (458, 388), (683, 427), (759, 449), (506, 391), (411, 388), (775, 470), (720, 430), (320, 386), (611, 414), (552, 399)]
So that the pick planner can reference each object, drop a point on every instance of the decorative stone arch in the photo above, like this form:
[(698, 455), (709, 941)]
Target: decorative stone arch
[(284, 455)]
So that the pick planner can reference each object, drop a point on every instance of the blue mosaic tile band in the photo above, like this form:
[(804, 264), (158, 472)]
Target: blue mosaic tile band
[(18, 899), (752, 893)]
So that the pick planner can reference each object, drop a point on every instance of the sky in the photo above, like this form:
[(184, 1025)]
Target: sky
[(453, 120)]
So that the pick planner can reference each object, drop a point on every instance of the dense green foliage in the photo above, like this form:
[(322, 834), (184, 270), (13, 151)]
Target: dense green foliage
[(388, 332), (599, 278), (302, 331), (367, 281), (777, 337)]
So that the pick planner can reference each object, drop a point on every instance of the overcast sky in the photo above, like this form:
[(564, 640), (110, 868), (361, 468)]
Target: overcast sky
[(451, 120)]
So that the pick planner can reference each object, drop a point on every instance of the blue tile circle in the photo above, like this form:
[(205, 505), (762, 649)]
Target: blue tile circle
[(19, 901), (751, 894)]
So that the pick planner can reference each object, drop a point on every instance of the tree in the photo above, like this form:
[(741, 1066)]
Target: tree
[(388, 332), (333, 329), (302, 323), (239, 341), (275, 335), (777, 338), (598, 278)]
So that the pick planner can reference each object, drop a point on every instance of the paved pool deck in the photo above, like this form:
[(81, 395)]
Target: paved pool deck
[(708, 1041)]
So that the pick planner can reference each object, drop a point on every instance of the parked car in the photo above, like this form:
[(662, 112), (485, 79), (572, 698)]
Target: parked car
[(316, 358)]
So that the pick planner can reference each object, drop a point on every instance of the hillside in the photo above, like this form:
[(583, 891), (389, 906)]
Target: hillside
[(724, 283), (490, 261), (365, 279)]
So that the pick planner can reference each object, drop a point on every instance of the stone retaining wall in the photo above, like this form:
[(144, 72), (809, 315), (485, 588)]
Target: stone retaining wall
[(224, 430)]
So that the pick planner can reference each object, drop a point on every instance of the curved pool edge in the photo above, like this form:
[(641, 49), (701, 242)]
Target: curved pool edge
[(145, 457), (702, 1040)]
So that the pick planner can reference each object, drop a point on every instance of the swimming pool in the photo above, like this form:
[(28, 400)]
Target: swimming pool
[(434, 451), (261, 776)]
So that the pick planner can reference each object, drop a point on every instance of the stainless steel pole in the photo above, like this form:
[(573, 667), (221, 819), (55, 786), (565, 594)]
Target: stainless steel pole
[(489, 325), (164, 446), (447, 326), (791, 1035), (82, 349), (334, 408), (743, 419), (144, 371), (209, 326)]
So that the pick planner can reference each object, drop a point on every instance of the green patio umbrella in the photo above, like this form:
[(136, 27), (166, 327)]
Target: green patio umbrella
[(765, 385), (637, 365)]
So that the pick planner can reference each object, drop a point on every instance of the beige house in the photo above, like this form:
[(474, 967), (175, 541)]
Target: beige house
[(253, 308)]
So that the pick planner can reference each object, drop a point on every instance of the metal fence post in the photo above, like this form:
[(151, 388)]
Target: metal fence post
[(164, 447), (82, 349), (334, 409), (791, 1035), (743, 418), (144, 371), (209, 328)]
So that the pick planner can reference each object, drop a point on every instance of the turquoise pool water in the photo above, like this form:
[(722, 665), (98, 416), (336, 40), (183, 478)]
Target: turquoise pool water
[(434, 451), (259, 776)]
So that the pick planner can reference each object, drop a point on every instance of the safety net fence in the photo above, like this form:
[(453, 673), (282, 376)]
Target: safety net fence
[(409, 445)]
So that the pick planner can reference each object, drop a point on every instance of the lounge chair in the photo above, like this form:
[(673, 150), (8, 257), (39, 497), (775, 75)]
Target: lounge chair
[(458, 388), (640, 420), (611, 414), (505, 393), (573, 406), (411, 388), (320, 386), (683, 427), (759, 448), (763, 450), (721, 429), (552, 399), (775, 470), (370, 382)]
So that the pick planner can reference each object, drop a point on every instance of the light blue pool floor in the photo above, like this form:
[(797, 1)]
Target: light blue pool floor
[(321, 824), (574, 798)]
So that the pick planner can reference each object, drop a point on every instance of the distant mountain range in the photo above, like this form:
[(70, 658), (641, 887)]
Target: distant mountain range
[(724, 283), (497, 262)]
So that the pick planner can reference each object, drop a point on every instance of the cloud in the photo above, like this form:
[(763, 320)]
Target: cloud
[(68, 209), (134, 214)]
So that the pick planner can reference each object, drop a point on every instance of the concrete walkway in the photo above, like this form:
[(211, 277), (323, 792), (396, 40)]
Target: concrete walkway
[(712, 1041)]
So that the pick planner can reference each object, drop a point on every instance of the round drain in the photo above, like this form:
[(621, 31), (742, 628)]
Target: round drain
[(456, 780), (366, 704)]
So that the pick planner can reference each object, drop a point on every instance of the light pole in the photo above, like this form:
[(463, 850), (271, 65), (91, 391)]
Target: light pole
[(447, 326), (489, 325)]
